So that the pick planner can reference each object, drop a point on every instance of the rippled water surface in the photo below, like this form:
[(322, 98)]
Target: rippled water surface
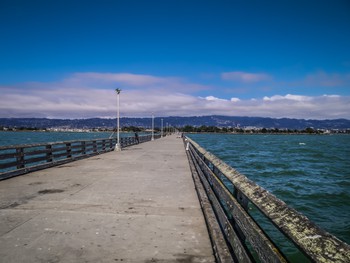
[(28, 137), (311, 173)]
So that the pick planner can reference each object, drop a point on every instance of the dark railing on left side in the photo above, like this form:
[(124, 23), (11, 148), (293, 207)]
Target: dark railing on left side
[(20, 159)]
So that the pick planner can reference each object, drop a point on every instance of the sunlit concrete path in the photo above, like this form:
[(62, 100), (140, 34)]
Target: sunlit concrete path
[(138, 205)]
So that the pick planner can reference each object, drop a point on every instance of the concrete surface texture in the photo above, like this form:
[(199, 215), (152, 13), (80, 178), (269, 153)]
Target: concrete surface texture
[(137, 205)]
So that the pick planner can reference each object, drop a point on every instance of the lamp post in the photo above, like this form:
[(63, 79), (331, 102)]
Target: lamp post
[(117, 146), (152, 126)]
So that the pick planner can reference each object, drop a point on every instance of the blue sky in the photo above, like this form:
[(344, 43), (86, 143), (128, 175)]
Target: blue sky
[(63, 59)]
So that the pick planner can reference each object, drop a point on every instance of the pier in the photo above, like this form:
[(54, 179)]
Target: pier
[(137, 205), (167, 200)]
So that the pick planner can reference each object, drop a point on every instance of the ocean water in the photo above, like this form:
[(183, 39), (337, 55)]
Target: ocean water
[(33, 137), (311, 173)]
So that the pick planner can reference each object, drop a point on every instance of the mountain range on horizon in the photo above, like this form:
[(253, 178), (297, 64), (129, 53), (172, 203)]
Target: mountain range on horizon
[(213, 120)]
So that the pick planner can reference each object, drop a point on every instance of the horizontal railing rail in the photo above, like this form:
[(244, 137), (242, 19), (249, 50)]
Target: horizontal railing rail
[(232, 197), (20, 159)]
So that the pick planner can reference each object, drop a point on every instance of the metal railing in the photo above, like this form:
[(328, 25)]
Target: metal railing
[(229, 200), (20, 159)]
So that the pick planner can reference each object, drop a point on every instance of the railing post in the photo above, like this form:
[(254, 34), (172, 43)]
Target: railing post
[(110, 143), (103, 145), (243, 201), (94, 146), (49, 158), (20, 158), (69, 150), (83, 148), (241, 198)]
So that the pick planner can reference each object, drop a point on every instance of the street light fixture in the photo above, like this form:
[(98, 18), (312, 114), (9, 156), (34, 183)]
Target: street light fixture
[(117, 146)]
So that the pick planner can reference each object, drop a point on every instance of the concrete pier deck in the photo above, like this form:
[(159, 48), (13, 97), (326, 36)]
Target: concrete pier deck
[(138, 205)]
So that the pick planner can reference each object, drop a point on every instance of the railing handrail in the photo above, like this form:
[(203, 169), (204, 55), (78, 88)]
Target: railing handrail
[(15, 146), (316, 243), (20, 159)]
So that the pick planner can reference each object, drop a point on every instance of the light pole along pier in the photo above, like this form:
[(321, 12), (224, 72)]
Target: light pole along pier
[(118, 146)]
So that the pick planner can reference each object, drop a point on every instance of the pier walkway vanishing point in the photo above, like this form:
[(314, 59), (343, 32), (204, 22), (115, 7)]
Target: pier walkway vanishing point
[(137, 205)]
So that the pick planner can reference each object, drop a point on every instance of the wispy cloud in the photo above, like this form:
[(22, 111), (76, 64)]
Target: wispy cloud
[(288, 97), (324, 79), (92, 95), (212, 98), (133, 81), (245, 77)]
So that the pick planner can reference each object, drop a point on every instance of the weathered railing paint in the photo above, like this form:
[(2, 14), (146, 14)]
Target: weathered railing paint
[(231, 206), (20, 159)]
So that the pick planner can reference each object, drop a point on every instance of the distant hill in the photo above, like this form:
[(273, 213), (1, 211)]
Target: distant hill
[(219, 121)]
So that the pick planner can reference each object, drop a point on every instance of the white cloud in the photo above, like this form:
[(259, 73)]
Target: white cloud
[(332, 96), (212, 98), (83, 96), (288, 97), (245, 77)]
